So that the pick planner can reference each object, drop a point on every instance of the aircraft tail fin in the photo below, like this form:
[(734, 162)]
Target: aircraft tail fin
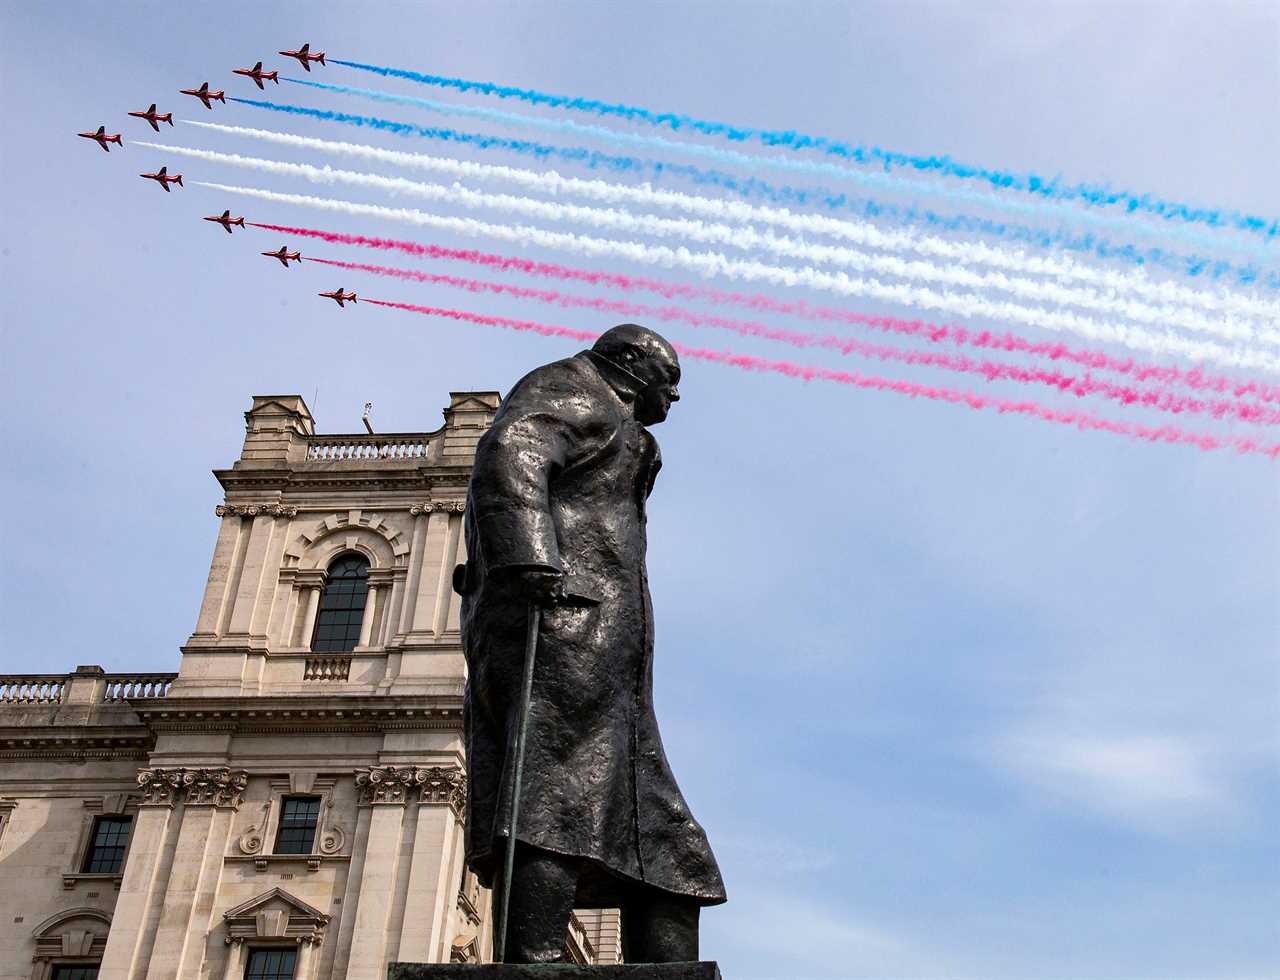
[(177, 179), (320, 58)]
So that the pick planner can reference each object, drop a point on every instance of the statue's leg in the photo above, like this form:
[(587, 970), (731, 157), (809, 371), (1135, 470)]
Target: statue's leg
[(543, 886), (658, 927)]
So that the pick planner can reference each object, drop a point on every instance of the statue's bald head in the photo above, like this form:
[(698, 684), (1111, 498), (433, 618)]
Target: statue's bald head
[(647, 355)]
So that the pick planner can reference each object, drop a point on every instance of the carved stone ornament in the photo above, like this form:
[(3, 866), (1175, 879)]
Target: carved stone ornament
[(438, 506), (221, 787), (395, 784), (250, 841), (254, 510)]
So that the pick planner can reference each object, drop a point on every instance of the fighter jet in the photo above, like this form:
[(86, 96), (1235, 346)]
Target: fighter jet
[(155, 119), (163, 178), (339, 297), (284, 255), (257, 74), (204, 95), (226, 220), (102, 138), (304, 56)]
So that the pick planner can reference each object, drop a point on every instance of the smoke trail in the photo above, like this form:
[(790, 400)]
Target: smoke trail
[(749, 238), (1080, 420), (1043, 187), (867, 178), (710, 263), (1156, 398), (932, 332), (859, 232)]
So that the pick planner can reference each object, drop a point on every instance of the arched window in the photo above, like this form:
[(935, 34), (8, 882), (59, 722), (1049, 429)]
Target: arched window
[(342, 607)]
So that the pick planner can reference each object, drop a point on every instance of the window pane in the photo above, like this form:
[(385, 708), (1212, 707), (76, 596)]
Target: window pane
[(108, 845), (271, 964), (298, 818), (342, 606), (76, 972)]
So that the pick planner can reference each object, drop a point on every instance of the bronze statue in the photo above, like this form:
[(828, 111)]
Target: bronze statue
[(556, 518)]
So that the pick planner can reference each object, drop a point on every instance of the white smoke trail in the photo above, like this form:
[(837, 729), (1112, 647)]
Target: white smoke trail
[(859, 232), (711, 264), (748, 238)]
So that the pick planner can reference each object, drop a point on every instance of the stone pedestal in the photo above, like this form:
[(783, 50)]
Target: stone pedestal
[(559, 971)]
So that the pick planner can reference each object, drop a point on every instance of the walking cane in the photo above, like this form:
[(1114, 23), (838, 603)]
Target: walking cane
[(526, 695)]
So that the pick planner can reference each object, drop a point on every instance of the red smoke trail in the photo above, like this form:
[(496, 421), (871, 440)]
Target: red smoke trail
[(1081, 420), (991, 370), (932, 332)]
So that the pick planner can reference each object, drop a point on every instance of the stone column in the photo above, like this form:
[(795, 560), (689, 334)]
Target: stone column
[(366, 620), (309, 617), (220, 572), (129, 942), (303, 968), (385, 790), (420, 515), (252, 573), (433, 877), (235, 960), (426, 596)]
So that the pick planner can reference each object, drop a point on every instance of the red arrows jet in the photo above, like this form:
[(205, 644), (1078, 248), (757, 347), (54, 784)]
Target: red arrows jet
[(226, 220), (284, 255), (102, 138), (339, 297), (163, 178), (304, 56), (204, 95), (257, 74), (155, 119)]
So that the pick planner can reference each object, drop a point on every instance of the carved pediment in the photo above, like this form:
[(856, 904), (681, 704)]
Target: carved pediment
[(275, 915), (78, 932)]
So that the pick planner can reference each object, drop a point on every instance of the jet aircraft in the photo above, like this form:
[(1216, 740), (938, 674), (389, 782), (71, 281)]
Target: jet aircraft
[(284, 255), (155, 119), (163, 178), (257, 74), (226, 220), (102, 138), (204, 95), (339, 297), (304, 56)]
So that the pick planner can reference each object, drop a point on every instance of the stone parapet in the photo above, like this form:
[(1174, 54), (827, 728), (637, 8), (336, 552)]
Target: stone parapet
[(705, 970)]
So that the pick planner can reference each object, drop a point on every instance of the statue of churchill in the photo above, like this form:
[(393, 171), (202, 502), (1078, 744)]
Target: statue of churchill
[(555, 517)]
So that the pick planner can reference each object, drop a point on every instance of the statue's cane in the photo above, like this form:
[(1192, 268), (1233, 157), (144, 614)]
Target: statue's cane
[(526, 695)]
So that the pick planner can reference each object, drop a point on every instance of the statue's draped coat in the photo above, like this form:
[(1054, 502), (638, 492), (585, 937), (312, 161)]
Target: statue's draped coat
[(560, 482)]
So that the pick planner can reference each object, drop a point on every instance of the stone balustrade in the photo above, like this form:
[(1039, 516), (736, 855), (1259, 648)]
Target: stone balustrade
[(391, 447), (327, 669), (137, 687), (32, 688), (94, 685)]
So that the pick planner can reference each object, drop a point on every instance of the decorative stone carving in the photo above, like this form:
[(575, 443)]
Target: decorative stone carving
[(442, 506), (251, 840), (394, 784), (254, 510), (332, 837), (221, 787)]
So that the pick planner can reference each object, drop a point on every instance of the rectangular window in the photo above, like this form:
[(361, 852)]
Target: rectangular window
[(87, 971), (298, 819), (271, 964), (109, 842)]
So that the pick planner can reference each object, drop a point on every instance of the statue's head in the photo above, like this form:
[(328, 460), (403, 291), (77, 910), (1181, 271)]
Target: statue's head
[(647, 356)]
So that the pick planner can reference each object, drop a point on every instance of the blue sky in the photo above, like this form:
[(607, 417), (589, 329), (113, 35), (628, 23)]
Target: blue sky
[(956, 695)]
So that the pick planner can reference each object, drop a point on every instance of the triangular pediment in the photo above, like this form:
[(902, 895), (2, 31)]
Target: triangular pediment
[(276, 899)]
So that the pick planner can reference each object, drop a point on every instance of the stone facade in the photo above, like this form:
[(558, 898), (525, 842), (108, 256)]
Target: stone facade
[(209, 769)]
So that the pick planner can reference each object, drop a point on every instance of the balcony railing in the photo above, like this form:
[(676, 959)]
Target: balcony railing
[(32, 688), (137, 687), (40, 689), (393, 447)]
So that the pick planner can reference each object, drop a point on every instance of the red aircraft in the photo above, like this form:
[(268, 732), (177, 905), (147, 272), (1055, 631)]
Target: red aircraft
[(339, 297), (257, 74), (284, 255), (204, 95), (102, 138), (155, 119), (226, 220), (304, 56), (163, 178)]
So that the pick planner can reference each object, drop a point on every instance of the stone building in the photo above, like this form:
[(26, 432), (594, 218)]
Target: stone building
[(289, 804)]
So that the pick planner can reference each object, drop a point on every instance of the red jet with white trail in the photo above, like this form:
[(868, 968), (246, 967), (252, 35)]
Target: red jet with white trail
[(163, 178), (204, 95), (257, 74), (154, 118), (102, 138)]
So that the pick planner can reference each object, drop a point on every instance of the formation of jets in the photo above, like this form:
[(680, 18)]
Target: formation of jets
[(163, 178), (339, 297), (154, 118), (304, 56), (204, 95), (226, 220), (257, 74), (283, 254), (102, 138)]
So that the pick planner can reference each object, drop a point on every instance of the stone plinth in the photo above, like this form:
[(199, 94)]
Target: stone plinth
[(705, 970)]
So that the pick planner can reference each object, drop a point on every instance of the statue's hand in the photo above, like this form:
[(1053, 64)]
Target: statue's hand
[(543, 586)]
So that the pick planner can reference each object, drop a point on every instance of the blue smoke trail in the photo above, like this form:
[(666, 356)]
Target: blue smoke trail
[(872, 179), (753, 188), (1031, 183)]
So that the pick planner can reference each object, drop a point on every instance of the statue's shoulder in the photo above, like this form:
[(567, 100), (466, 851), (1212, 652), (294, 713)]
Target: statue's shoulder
[(571, 385)]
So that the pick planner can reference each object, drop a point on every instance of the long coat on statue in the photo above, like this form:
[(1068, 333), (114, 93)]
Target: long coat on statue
[(560, 482)]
